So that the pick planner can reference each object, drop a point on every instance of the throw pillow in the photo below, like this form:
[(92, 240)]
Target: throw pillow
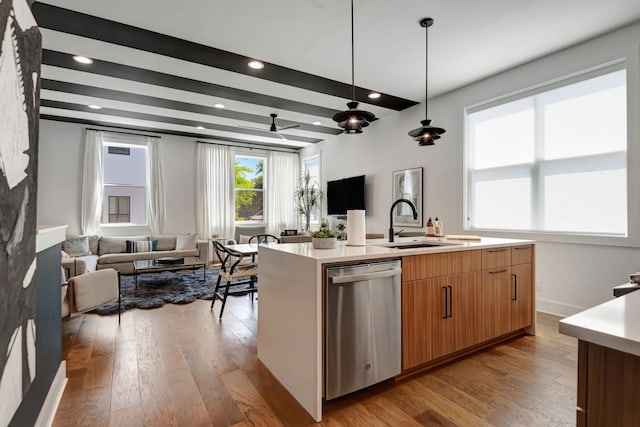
[(186, 242), (142, 246), (112, 245), (116, 245), (244, 239), (165, 243), (93, 244), (138, 246), (76, 246), (154, 245)]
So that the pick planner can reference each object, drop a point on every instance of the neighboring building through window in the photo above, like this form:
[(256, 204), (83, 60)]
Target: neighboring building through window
[(119, 209), (249, 188), (312, 166), (552, 160), (125, 180)]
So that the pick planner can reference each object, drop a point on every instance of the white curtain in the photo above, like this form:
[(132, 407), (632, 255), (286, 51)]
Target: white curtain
[(215, 209), (92, 185), (156, 210), (283, 173)]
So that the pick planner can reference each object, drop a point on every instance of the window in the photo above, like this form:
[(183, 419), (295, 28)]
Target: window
[(312, 166), (119, 209), (124, 183), (551, 161), (249, 188)]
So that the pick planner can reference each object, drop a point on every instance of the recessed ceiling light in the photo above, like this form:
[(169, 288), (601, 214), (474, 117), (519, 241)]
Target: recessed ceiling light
[(95, 107), (374, 95), (200, 127), (317, 123), (218, 105), (83, 59), (256, 65)]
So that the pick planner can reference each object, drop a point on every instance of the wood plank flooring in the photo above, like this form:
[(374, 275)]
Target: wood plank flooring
[(179, 366)]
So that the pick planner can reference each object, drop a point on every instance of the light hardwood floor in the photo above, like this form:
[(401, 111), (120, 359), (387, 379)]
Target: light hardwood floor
[(179, 366)]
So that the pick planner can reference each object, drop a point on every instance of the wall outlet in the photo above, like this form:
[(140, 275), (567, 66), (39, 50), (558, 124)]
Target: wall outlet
[(538, 286)]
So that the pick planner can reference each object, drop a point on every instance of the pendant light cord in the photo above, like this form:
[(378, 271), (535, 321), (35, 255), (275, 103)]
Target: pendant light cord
[(426, 73), (353, 73)]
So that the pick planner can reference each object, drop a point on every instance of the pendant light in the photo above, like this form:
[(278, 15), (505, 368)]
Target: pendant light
[(353, 120), (426, 134)]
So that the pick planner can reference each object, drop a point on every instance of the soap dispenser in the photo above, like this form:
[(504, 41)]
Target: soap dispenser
[(431, 232), (438, 231)]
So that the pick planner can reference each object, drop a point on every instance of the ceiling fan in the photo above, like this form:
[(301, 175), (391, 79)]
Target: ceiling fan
[(274, 128)]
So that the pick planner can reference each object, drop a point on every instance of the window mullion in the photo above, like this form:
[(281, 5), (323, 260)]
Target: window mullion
[(537, 183)]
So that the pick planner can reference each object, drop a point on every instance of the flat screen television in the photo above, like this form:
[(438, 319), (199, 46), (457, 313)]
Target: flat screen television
[(345, 194)]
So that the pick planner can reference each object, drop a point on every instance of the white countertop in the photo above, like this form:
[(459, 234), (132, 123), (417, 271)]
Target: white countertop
[(376, 248), (614, 324), (49, 235)]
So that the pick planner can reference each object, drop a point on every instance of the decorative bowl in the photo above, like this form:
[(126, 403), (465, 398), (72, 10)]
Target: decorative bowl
[(323, 242)]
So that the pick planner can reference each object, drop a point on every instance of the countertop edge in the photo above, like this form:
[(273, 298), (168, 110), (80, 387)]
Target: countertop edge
[(375, 249), (49, 235), (591, 325)]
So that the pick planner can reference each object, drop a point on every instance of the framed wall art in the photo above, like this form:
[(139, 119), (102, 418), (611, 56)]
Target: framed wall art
[(407, 184)]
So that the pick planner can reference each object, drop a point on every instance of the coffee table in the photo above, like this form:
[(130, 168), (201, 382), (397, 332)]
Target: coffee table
[(152, 266)]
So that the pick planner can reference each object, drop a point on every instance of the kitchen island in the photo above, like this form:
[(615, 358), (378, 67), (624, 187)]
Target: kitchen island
[(608, 361), (482, 276)]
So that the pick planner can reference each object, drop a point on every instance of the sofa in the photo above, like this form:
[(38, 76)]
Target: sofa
[(82, 254)]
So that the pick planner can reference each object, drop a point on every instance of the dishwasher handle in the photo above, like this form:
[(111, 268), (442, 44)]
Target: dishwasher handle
[(337, 280)]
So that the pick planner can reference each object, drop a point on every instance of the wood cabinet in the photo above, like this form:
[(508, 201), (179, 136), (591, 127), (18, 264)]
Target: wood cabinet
[(439, 316), (507, 290), (440, 305), (496, 302), (454, 300), (608, 388)]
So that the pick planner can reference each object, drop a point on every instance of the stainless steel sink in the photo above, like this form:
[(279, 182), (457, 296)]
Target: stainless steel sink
[(414, 245)]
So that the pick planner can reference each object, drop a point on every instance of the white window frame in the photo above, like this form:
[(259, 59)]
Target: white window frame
[(632, 238), (129, 141), (306, 160), (253, 154)]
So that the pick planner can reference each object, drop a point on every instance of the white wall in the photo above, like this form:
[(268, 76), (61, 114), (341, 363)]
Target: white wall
[(570, 277), (60, 180)]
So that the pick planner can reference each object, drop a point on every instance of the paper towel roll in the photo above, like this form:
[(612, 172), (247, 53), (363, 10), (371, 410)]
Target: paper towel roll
[(356, 229)]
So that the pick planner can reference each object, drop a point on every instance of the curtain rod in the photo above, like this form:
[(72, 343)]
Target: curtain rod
[(252, 146), (126, 133)]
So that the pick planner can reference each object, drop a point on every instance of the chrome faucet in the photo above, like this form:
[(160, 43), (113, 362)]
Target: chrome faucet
[(413, 208)]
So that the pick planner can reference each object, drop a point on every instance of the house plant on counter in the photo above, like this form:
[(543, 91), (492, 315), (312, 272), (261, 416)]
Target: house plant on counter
[(307, 197), (324, 238)]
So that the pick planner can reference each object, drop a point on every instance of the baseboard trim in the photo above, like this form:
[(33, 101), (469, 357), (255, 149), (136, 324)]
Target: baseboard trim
[(557, 308), (50, 405)]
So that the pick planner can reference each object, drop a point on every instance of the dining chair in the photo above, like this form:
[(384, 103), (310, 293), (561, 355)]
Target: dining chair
[(264, 238), (240, 278)]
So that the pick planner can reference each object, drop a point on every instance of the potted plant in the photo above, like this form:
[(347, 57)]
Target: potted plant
[(307, 197), (324, 238)]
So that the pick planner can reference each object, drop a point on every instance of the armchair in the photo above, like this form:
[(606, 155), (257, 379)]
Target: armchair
[(90, 290)]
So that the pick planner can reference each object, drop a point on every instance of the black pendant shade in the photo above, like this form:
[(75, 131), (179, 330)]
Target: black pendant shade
[(353, 120), (426, 134)]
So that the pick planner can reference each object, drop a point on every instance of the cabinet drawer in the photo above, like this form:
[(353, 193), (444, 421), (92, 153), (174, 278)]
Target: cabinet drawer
[(417, 267), (496, 257), (522, 254)]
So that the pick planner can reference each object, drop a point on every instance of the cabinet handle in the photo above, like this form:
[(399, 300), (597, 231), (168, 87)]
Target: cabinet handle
[(446, 301), (521, 248), (496, 250), (515, 287), (498, 271), (450, 301)]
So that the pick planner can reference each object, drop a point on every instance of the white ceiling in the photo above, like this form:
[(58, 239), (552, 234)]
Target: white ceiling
[(470, 40)]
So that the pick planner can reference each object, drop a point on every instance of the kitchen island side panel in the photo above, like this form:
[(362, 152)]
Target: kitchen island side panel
[(290, 324)]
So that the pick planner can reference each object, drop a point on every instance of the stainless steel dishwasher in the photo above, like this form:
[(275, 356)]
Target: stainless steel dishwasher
[(363, 326)]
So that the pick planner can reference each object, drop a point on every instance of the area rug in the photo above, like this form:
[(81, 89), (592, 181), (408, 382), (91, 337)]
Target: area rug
[(157, 289)]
